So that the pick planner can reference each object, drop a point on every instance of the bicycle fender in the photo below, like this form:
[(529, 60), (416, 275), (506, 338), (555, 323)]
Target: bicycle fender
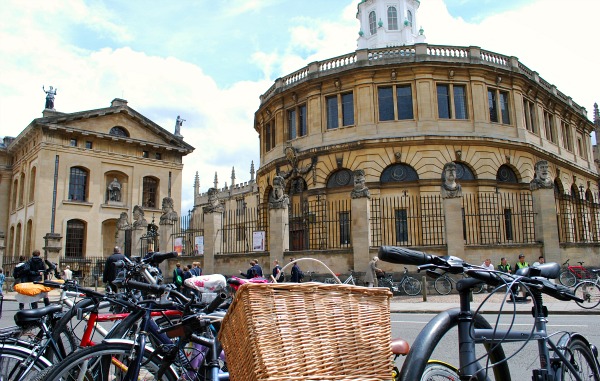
[(432, 333), (564, 341)]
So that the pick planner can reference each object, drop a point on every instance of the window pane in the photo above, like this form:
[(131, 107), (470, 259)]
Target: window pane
[(150, 187), (508, 224), (460, 102), (372, 23), (291, 124), (386, 103), (332, 112), (401, 225), (348, 109), (504, 107), (492, 106), (77, 184), (392, 18), (302, 120), (267, 137), (405, 102), (272, 124), (344, 228), (75, 239), (443, 98)]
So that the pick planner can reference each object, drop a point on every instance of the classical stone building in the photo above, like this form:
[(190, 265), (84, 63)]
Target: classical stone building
[(394, 113), (70, 181)]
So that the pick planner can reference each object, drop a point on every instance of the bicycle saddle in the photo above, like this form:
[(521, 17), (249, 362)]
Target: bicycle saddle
[(400, 347), (26, 317)]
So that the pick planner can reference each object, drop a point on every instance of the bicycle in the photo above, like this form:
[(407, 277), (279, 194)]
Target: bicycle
[(352, 279), (571, 275), (589, 291), (411, 286), (444, 284), (570, 357)]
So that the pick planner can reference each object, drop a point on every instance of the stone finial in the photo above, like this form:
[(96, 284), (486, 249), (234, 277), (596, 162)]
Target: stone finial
[(232, 177), (450, 188), (216, 182), (542, 178), (169, 216), (252, 172), (278, 199), (196, 184), (360, 189)]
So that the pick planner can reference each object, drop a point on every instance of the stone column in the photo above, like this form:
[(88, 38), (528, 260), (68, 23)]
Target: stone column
[(52, 247), (279, 221), (546, 226), (213, 239), (360, 227), (454, 234)]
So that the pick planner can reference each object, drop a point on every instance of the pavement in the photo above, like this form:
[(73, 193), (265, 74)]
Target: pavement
[(488, 303)]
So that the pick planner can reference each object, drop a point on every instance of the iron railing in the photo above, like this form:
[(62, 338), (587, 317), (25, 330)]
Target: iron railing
[(578, 219)]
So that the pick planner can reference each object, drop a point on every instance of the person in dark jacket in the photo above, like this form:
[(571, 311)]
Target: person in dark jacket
[(37, 269), (295, 273), (251, 273), (110, 270), (178, 271), (257, 269)]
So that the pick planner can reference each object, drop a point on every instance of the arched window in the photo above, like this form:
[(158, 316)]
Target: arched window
[(150, 192), (399, 173), (18, 240), (22, 189), (409, 18), (11, 240), (392, 14), (119, 131), (15, 194), (78, 179), (75, 240), (462, 172), (372, 23), (505, 174), (341, 178), (32, 184), (28, 237)]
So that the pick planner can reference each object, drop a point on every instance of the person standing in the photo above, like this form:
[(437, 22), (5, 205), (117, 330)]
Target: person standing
[(277, 273), (178, 276), (2, 279), (521, 264), (258, 269), (371, 274), (296, 273), (68, 274), (196, 270), (37, 269), (504, 266), (251, 273), (20, 275), (110, 269)]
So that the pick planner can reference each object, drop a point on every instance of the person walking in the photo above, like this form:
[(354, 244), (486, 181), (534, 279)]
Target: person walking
[(277, 273), (258, 269), (37, 269), (296, 273), (371, 273), (20, 275), (251, 272), (2, 279), (110, 269), (67, 273), (178, 276)]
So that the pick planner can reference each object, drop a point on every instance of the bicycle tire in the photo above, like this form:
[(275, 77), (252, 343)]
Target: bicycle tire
[(412, 286), (589, 292), (329, 281), (14, 361), (442, 285), (567, 278), (478, 288), (580, 355), (108, 360), (439, 371), (385, 282)]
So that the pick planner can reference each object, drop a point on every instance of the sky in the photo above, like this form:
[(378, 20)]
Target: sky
[(209, 61)]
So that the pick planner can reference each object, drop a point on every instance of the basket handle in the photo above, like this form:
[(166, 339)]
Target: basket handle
[(314, 260)]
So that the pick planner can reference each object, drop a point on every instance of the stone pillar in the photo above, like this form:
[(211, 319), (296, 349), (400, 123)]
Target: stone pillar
[(361, 232), (455, 241), (52, 247), (546, 225), (213, 239), (2, 249), (279, 233), (136, 242)]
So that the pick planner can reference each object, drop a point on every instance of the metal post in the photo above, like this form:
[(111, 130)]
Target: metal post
[(424, 288)]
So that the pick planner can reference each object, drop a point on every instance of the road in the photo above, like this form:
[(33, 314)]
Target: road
[(409, 325)]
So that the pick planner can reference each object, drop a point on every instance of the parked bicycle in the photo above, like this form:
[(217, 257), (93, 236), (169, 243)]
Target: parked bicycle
[(410, 285), (589, 291), (352, 279), (444, 284), (571, 275), (563, 356)]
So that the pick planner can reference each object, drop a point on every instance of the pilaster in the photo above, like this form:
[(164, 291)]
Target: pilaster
[(213, 239)]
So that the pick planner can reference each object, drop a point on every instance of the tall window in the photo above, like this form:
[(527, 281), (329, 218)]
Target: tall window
[(530, 116), (150, 192), (409, 18), (344, 228), (549, 127), (401, 218), (75, 240), (22, 189), (341, 104), (566, 136), (18, 241), (32, 184), (498, 106), (78, 184), (400, 108), (15, 194), (452, 101), (508, 225), (269, 135), (28, 238), (296, 122), (392, 14), (372, 22)]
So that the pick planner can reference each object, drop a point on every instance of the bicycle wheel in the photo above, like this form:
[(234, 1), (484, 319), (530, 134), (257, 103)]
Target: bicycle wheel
[(442, 285), (330, 281), (589, 292), (580, 355), (567, 278), (412, 286), (439, 371), (18, 363), (108, 361), (478, 288), (386, 282)]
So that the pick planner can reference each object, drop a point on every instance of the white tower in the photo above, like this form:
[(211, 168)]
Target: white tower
[(386, 23)]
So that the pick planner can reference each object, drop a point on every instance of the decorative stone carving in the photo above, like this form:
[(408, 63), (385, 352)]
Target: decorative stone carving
[(123, 222), (114, 191), (139, 221), (360, 189), (542, 178), (214, 206), (278, 199), (178, 123), (169, 216), (450, 188), (292, 157), (50, 94)]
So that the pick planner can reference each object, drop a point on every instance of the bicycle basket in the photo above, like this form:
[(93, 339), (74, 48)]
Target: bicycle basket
[(308, 331)]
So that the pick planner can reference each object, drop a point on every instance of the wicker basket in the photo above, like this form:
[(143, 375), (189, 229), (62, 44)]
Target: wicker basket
[(308, 331)]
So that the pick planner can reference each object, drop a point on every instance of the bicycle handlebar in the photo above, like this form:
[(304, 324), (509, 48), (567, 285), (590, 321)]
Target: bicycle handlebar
[(156, 258), (157, 289), (404, 256)]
